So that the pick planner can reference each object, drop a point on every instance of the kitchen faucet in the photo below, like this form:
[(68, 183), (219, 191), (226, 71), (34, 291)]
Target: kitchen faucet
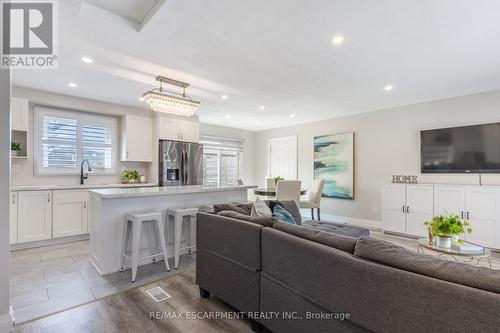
[(82, 177)]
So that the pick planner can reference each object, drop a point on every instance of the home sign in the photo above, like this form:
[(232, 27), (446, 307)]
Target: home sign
[(402, 179)]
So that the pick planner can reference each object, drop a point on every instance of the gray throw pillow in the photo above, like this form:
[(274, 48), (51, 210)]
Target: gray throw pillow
[(266, 221), (290, 206), (244, 209)]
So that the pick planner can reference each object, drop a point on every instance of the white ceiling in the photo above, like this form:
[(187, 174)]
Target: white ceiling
[(278, 54)]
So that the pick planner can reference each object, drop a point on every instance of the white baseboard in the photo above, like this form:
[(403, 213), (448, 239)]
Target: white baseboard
[(7, 321), (54, 241), (369, 224)]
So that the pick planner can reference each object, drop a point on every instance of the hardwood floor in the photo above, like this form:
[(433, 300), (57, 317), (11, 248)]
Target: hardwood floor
[(130, 311)]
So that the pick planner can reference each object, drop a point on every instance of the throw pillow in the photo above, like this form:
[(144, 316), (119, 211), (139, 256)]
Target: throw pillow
[(260, 208), (290, 206), (281, 214)]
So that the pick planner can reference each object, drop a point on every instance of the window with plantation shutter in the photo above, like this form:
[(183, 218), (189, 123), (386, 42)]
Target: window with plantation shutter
[(66, 138), (223, 160)]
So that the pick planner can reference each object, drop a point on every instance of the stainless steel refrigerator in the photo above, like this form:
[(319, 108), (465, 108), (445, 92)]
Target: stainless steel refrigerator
[(181, 163)]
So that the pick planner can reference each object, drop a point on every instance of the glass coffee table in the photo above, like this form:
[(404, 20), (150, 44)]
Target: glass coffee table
[(454, 251)]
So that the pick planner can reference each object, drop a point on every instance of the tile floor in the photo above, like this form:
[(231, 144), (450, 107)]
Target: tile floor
[(50, 279)]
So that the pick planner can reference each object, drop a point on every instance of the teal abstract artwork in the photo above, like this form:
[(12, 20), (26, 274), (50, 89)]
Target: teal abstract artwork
[(334, 163)]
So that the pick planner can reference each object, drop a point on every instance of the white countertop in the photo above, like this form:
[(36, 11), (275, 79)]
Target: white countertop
[(157, 190), (78, 187)]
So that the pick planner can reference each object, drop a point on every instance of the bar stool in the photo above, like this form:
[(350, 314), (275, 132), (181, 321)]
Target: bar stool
[(178, 218), (133, 225)]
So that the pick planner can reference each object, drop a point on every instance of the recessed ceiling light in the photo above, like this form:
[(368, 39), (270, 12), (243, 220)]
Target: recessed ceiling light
[(224, 97), (87, 60), (388, 88), (72, 85), (292, 115), (257, 123), (262, 107), (141, 99), (338, 40), (228, 116)]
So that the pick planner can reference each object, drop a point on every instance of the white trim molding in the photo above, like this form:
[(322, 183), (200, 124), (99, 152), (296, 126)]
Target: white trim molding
[(7, 321)]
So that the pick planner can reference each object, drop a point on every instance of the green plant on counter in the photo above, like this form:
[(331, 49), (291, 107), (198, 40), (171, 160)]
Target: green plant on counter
[(277, 179), (131, 176), (15, 146), (448, 225)]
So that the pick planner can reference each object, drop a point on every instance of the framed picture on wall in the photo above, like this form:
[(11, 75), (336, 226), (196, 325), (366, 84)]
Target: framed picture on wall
[(334, 163)]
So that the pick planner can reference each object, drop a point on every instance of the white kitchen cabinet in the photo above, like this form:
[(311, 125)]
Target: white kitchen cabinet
[(34, 222), (13, 218), (170, 128), (70, 213), (20, 114), (407, 207), (482, 210), (419, 208), (136, 139)]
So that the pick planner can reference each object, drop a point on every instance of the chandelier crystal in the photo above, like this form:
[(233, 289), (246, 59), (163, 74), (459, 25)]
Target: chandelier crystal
[(162, 100)]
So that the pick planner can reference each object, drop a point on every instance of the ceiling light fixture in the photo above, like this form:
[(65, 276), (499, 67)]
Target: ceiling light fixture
[(141, 99), (257, 123), (87, 60), (292, 115), (262, 107), (224, 97), (228, 116), (166, 101), (72, 85), (388, 88), (338, 40)]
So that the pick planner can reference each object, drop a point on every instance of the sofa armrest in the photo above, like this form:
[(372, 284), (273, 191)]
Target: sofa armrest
[(230, 239)]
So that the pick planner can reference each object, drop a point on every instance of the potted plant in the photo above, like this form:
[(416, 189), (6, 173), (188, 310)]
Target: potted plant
[(15, 148), (131, 176), (277, 179), (446, 227)]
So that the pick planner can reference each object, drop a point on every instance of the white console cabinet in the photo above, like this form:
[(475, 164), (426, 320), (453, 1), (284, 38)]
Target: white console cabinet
[(406, 207)]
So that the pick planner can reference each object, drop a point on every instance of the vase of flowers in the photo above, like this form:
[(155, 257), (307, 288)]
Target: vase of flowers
[(445, 227)]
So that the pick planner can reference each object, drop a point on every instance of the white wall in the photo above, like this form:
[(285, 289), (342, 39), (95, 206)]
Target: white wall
[(23, 170), (4, 198), (387, 143)]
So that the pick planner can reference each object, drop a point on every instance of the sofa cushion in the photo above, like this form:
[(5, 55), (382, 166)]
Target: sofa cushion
[(339, 242), (242, 208), (390, 254), (281, 214), (338, 228), (266, 221), (290, 206), (260, 208)]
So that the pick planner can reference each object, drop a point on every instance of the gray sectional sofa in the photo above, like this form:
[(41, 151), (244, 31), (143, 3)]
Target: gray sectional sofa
[(317, 281)]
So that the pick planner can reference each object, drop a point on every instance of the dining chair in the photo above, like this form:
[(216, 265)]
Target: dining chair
[(270, 183), (288, 190), (314, 197)]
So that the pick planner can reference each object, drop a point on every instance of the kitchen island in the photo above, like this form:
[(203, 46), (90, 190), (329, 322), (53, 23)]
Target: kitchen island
[(109, 207)]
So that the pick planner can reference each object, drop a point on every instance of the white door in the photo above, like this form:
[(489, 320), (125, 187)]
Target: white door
[(137, 139), (13, 218), (449, 199), (419, 208), (168, 128), (70, 213), (394, 216), (189, 131), (282, 157), (34, 216), (20, 114), (482, 206)]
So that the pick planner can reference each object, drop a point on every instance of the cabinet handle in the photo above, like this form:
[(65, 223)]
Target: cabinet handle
[(48, 197), (404, 209), (462, 215), (13, 199), (468, 215), (408, 209), (85, 205), (127, 154)]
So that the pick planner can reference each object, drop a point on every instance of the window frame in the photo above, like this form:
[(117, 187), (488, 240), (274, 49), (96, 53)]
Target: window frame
[(218, 145), (82, 118)]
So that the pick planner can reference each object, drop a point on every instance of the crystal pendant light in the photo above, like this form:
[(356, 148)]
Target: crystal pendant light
[(162, 100)]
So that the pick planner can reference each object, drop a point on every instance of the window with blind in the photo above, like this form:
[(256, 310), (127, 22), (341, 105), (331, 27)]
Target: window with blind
[(222, 161), (65, 138)]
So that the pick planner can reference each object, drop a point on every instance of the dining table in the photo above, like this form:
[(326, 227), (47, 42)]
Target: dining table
[(271, 192)]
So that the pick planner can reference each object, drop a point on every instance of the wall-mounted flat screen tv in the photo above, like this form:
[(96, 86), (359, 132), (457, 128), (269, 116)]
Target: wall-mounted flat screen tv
[(466, 149)]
